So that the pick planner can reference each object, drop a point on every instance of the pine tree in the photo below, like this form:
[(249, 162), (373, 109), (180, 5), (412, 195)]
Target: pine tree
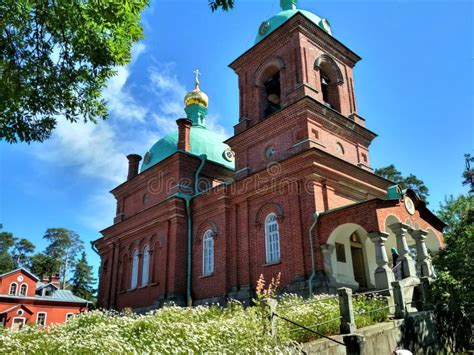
[(83, 279)]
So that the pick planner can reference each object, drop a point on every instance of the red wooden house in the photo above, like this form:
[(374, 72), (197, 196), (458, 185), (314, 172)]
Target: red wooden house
[(25, 299)]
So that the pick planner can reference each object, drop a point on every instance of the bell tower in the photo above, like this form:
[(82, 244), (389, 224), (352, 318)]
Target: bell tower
[(297, 75)]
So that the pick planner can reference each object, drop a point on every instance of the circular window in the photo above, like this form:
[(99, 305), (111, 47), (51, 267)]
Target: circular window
[(20, 278), (20, 312), (339, 149), (145, 199), (269, 152), (228, 154), (147, 158)]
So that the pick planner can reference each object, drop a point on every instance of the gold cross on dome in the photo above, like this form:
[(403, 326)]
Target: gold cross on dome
[(196, 82)]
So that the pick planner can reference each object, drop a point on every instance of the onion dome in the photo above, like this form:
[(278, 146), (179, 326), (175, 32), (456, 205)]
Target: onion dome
[(196, 96), (202, 140), (289, 9)]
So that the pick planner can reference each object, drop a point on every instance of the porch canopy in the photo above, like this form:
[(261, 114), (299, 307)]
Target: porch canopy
[(359, 242)]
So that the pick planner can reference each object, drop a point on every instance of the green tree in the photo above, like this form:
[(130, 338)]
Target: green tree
[(64, 246), (453, 290), (21, 252), (225, 5), (83, 280), (410, 182), (56, 57), (44, 265), (7, 241), (468, 174)]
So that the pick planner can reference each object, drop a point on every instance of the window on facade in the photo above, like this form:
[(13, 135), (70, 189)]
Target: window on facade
[(146, 266), (272, 239), (272, 94), (145, 199), (69, 316), (23, 289), (134, 281), (48, 292), (340, 253), (207, 253), (12, 290), (41, 319), (329, 86)]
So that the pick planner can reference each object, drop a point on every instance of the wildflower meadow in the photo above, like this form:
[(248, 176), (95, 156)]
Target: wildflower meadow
[(204, 329)]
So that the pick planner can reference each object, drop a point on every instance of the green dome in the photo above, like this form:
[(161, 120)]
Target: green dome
[(203, 141), (280, 18)]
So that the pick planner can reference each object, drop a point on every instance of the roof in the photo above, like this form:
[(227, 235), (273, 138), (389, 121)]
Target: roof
[(202, 141), (21, 269), (58, 296), (280, 18)]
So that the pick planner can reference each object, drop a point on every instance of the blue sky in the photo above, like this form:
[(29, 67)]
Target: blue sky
[(414, 86)]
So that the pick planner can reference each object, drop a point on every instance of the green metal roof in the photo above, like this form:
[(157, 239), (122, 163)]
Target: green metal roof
[(280, 18), (202, 141)]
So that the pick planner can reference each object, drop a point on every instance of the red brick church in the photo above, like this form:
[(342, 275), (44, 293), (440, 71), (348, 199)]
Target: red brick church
[(291, 192)]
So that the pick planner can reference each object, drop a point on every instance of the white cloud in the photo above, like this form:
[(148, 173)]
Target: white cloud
[(98, 151), (120, 101)]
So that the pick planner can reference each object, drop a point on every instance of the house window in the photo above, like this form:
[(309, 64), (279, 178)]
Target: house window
[(207, 253), (146, 265), (340, 253), (272, 239), (41, 319), (272, 94), (145, 199), (69, 316), (134, 281), (13, 287), (23, 289)]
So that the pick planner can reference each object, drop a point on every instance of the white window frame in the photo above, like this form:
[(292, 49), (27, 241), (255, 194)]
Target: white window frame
[(69, 314), (272, 239), (134, 276), (45, 317), (26, 289), (146, 265), (207, 253), (10, 289), (22, 318)]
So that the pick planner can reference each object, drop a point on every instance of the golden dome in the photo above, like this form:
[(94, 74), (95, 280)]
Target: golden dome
[(196, 96)]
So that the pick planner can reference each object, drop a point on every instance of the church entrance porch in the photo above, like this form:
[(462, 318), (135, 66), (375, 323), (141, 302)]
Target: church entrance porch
[(364, 243)]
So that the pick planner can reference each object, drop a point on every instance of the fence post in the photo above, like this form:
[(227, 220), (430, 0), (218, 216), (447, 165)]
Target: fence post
[(354, 344), (346, 311), (272, 303), (399, 300)]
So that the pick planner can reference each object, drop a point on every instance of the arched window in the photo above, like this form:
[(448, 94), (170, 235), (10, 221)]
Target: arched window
[(208, 253), (146, 265), (330, 78), (134, 281), (13, 287), (272, 239), (23, 289), (272, 93)]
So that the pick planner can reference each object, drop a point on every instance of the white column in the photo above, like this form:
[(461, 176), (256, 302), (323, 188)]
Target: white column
[(423, 260), (383, 274), (408, 264), (327, 250)]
